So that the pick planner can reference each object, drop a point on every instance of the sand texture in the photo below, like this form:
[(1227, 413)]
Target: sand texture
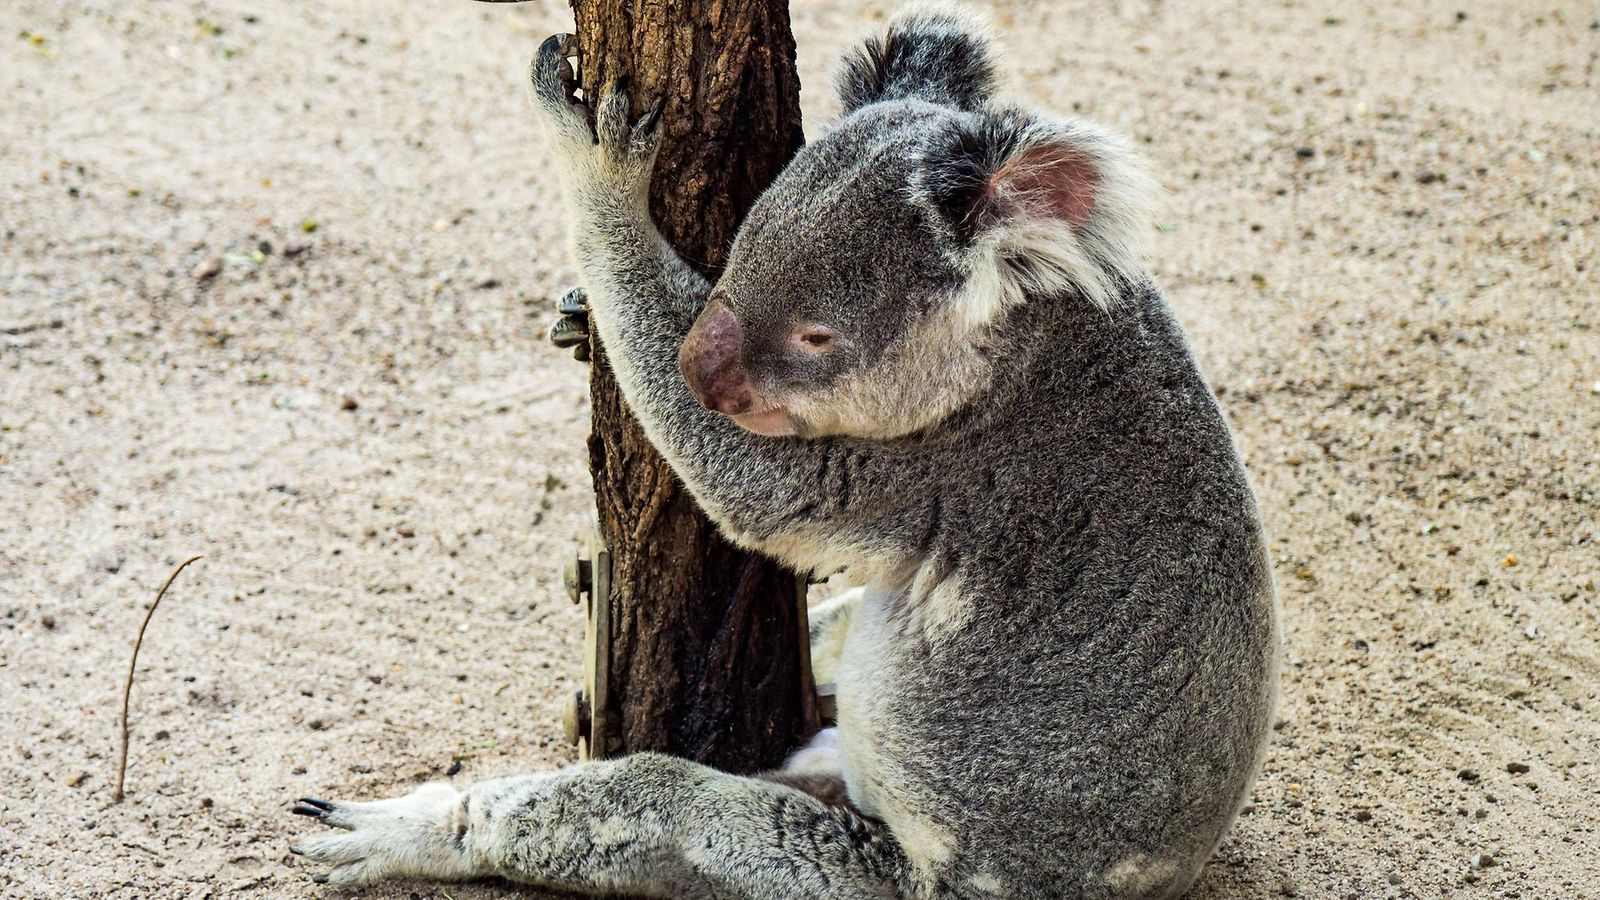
[(273, 281)]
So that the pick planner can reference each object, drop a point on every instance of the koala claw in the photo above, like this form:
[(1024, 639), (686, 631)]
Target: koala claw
[(311, 806), (571, 327), (575, 302), (652, 119)]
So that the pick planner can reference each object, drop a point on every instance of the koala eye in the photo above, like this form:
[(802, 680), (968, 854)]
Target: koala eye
[(814, 338)]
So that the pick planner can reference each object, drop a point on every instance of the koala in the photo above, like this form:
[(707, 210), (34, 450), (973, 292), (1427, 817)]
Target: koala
[(934, 363)]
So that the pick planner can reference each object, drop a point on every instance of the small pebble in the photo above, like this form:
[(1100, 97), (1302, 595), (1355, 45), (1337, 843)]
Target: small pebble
[(207, 268), (1517, 768)]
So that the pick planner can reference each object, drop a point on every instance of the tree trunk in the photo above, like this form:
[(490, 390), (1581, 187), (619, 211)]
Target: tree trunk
[(707, 640)]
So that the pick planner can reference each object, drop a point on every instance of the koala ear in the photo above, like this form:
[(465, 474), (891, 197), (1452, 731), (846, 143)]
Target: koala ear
[(939, 54), (1039, 208)]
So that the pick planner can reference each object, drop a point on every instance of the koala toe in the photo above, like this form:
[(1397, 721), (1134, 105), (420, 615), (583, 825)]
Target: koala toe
[(612, 122), (420, 833), (627, 146), (550, 70), (350, 874), (569, 331), (329, 848), (554, 85), (574, 302)]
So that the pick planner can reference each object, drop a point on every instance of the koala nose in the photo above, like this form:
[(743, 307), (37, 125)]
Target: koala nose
[(712, 361)]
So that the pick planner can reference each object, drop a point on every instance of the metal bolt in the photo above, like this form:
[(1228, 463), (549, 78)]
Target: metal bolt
[(578, 576), (576, 717)]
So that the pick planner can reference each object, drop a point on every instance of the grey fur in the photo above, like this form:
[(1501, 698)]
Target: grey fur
[(1058, 675), (934, 55)]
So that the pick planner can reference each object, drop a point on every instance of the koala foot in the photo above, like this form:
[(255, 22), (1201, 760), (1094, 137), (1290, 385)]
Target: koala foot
[(571, 327), (822, 756), (602, 141), (421, 834)]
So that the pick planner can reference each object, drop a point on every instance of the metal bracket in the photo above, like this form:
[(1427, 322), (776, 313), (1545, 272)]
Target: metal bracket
[(827, 705), (589, 719)]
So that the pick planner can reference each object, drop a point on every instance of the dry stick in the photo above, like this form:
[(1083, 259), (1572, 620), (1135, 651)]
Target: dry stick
[(127, 686)]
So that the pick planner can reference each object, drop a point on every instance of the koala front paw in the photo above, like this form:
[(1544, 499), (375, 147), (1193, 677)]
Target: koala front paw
[(571, 327), (605, 143), (421, 834)]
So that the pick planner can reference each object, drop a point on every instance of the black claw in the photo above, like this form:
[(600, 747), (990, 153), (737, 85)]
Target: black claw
[(575, 302), (557, 48), (297, 850), (311, 806), (558, 44), (571, 328), (653, 117), (319, 879), (568, 332)]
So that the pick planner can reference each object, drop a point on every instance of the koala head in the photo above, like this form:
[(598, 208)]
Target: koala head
[(867, 292)]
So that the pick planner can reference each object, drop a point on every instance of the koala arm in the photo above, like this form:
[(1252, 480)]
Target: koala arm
[(643, 299)]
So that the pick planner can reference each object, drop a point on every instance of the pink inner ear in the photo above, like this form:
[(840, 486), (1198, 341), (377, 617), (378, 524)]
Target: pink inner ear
[(1049, 181)]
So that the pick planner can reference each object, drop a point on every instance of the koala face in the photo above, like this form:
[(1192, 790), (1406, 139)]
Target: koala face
[(866, 291), (834, 285)]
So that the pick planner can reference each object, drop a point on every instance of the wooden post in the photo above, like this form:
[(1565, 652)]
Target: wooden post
[(708, 652)]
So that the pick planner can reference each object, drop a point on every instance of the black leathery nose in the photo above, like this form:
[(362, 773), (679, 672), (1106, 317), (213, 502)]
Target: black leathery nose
[(712, 361)]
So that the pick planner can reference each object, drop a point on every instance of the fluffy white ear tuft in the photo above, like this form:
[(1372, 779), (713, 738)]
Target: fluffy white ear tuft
[(1043, 208)]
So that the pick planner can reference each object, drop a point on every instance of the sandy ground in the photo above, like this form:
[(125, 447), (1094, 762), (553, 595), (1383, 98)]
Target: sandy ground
[(1382, 234)]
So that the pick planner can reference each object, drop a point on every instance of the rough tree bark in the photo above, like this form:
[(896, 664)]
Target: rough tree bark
[(705, 655)]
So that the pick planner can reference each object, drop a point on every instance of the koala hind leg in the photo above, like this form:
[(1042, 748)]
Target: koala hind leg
[(644, 825)]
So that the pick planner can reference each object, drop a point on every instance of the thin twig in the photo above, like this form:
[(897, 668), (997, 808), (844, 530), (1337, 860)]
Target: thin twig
[(127, 686)]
